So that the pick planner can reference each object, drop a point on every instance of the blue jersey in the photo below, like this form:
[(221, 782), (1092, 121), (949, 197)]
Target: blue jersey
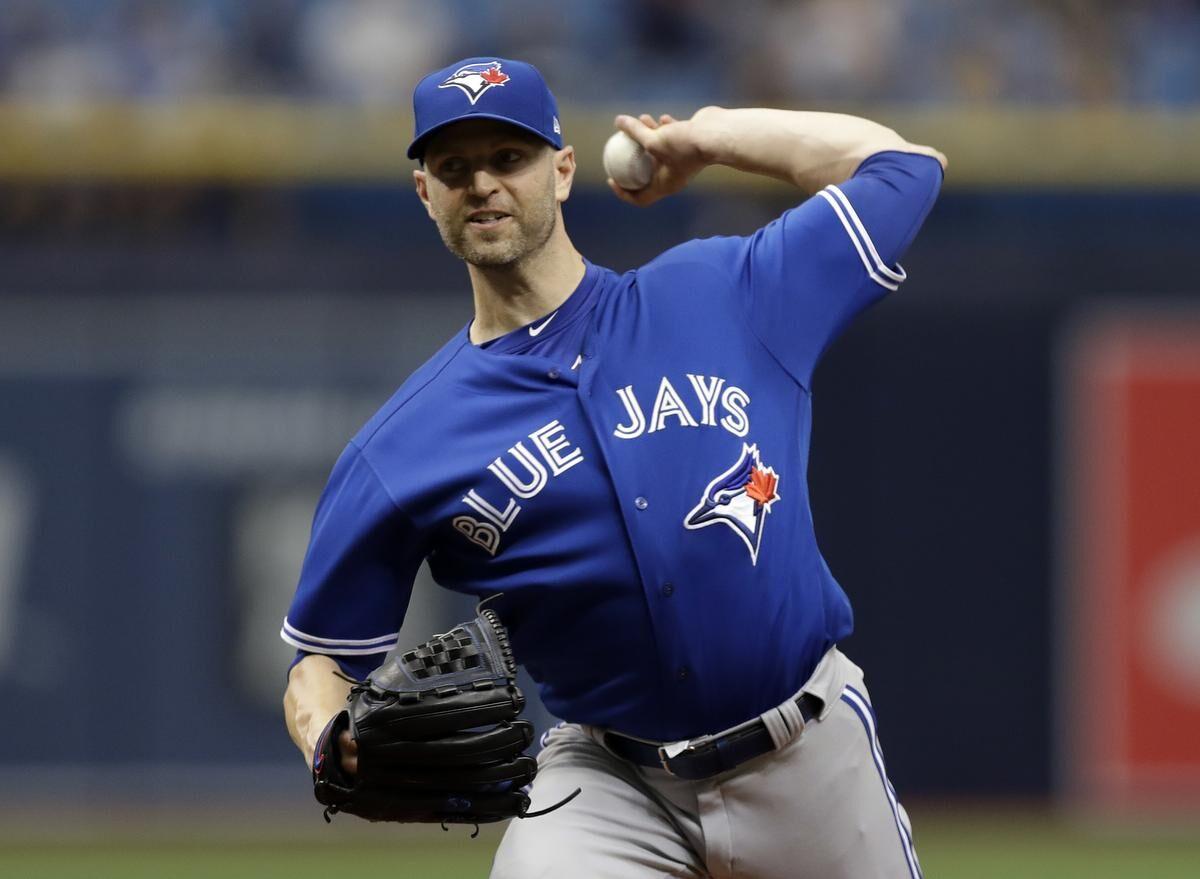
[(628, 473)]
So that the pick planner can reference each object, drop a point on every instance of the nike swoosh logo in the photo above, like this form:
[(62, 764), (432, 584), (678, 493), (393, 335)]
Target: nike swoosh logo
[(533, 331)]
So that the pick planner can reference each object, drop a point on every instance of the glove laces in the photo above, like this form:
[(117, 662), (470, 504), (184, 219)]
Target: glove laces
[(555, 807)]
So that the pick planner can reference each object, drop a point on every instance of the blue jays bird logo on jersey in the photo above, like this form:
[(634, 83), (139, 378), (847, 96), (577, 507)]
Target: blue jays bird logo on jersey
[(741, 498), (475, 79)]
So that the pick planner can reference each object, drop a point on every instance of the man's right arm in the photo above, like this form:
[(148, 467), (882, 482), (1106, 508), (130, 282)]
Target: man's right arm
[(315, 693), (354, 587)]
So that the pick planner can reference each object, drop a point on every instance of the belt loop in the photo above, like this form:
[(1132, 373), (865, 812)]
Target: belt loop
[(784, 723)]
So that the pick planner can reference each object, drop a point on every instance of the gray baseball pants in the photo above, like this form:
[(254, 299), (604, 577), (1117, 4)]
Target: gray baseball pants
[(820, 805)]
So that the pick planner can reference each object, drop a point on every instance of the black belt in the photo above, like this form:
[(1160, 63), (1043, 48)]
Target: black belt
[(707, 756)]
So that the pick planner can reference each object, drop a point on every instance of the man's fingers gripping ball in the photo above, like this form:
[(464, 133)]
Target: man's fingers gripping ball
[(627, 163)]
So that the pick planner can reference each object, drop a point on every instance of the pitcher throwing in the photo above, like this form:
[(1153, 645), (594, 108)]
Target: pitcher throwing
[(622, 459)]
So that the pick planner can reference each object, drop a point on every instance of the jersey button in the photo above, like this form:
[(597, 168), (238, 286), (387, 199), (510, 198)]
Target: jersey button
[(640, 502), (552, 374), (668, 589), (682, 672)]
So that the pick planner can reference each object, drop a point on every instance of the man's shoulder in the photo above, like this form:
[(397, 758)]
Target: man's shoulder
[(696, 256), (697, 259), (418, 388), (686, 273)]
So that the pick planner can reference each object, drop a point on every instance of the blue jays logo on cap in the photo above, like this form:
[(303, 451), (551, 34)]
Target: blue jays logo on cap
[(741, 497), (475, 79)]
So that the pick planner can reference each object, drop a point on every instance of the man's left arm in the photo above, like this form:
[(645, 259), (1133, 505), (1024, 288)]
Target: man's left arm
[(803, 277), (807, 149)]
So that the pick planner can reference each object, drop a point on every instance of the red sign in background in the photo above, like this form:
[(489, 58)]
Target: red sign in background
[(1131, 530)]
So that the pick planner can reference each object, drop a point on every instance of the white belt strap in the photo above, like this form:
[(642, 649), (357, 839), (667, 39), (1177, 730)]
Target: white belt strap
[(784, 723)]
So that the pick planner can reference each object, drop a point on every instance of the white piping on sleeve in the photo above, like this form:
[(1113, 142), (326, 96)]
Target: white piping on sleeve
[(383, 647), (291, 633), (862, 230), (880, 273)]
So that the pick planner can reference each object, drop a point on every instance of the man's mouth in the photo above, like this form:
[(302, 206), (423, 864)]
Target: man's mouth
[(487, 219)]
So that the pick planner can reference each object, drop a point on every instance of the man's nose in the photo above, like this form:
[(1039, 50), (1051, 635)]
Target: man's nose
[(483, 183)]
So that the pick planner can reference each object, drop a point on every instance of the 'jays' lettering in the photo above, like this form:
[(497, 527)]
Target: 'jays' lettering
[(670, 408)]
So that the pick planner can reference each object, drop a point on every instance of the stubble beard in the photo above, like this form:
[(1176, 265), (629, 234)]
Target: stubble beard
[(525, 234)]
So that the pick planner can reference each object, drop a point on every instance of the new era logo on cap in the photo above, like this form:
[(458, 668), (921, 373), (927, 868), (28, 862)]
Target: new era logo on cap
[(494, 88), (475, 79)]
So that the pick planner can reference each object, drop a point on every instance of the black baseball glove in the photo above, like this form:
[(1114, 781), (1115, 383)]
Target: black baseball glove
[(437, 734)]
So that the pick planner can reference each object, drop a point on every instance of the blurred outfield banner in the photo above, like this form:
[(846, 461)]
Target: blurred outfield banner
[(1133, 530), (279, 142)]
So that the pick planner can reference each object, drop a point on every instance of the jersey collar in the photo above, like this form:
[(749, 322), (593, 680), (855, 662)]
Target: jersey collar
[(578, 304)]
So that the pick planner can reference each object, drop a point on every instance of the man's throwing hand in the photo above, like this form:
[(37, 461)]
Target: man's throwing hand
[(679, 149)]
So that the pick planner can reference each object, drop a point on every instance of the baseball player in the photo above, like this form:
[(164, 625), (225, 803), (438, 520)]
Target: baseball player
[(621, 458)]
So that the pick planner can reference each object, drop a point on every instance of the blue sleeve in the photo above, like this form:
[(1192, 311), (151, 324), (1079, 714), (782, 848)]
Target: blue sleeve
[(358, 571), (804, 276)]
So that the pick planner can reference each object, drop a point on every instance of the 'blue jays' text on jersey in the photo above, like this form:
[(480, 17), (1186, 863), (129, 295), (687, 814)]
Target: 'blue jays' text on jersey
[(629, 472)]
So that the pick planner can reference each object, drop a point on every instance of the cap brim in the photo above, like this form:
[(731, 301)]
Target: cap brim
[(416, 149)]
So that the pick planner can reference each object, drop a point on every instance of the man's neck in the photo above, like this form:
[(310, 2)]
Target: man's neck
[(508, 297)]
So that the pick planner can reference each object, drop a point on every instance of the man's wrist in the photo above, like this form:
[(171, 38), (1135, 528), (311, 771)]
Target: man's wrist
[(713, 136)]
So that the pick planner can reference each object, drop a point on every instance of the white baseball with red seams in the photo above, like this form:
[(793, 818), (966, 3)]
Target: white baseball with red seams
[(630, 166)]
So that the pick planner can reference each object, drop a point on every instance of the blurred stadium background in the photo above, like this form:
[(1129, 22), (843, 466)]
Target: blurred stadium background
[(212, 269)]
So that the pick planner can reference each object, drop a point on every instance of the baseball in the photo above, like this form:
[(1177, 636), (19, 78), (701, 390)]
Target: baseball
[(630, 166)]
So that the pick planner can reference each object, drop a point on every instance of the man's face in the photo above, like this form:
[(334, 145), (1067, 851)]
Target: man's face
[(493, 190)]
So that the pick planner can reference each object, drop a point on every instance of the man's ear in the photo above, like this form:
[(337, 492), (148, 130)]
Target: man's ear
[(564, 172), (421, 184)]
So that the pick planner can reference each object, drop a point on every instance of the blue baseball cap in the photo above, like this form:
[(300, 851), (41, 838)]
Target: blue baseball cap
[(484, 88)]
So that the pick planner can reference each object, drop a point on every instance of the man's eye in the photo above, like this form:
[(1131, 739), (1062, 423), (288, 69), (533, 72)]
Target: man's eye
[(451, 166), (509, 156)]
